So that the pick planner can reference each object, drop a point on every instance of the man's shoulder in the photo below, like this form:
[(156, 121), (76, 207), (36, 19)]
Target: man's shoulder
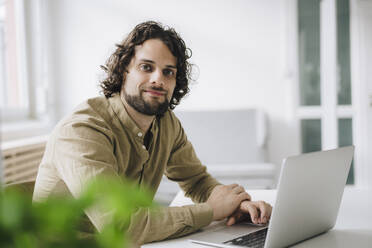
[(97, 108), (96, 105), (93, 112), (170, 119), (170, 124)]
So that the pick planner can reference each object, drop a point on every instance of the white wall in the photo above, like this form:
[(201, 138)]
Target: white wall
[(239, 46), (361, 71)]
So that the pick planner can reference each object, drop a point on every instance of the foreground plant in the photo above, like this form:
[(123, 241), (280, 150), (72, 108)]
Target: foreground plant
[(55, 221)]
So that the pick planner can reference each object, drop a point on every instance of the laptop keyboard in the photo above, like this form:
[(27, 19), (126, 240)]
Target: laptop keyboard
[(254, 240)]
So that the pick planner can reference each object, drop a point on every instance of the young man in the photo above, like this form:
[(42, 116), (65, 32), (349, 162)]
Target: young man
[(133, 133)]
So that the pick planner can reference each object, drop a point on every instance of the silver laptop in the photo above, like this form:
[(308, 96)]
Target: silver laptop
[(307, 202)]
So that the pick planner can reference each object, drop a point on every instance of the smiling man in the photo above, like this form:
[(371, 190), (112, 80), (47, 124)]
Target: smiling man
[(133, 133)]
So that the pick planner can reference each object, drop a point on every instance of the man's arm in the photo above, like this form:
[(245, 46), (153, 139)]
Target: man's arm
[(84, 151), (185, 168)]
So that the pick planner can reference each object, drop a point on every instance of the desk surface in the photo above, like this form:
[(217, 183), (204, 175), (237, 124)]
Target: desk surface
[(353, 227)]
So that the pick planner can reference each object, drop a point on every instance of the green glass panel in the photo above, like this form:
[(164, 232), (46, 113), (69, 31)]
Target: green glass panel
[(345, 138), (343, 52), (309, 51), (311, 135)]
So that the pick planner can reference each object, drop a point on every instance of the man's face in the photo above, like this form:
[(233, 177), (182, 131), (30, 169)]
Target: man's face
[(151, 78)]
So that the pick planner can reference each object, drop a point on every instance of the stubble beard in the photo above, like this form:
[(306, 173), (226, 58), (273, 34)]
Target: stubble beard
[(139, 104)]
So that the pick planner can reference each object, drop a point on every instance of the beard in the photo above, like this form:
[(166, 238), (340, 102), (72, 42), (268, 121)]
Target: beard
[(139, 104)]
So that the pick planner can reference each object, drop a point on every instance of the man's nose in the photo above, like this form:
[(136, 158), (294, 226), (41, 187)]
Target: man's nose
[(157, 78)]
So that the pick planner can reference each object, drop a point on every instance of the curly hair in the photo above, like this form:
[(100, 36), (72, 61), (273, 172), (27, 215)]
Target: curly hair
[(117, 63)]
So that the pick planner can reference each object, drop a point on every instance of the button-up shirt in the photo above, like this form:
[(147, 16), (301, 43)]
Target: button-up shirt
[(100, 138)]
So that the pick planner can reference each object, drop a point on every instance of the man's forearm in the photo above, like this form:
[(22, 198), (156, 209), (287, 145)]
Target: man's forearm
[(149, 225)]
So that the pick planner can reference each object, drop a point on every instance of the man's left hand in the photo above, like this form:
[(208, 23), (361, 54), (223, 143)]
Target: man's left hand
[(259, 212)]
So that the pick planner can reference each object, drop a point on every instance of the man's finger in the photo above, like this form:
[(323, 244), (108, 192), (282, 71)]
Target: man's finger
[(250, 198), (244, 196), (238, 189), (232, 185), (269, 211), (230, 221), (252, 210), (234, 218), (265, 210)]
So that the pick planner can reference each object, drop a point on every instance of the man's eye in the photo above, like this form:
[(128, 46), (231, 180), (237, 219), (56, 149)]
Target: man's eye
[(168, 72), (145, 67)]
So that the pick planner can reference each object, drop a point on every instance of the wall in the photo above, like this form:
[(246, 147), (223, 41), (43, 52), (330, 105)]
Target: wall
[(239, 46), (361, 67)]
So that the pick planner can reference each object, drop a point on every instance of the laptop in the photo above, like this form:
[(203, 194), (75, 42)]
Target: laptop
[(307, 202)]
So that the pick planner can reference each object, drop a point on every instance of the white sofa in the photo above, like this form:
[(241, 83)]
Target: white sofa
[(232, 144)]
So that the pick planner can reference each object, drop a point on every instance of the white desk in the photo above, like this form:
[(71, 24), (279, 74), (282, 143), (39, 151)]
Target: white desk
[(353, 227)]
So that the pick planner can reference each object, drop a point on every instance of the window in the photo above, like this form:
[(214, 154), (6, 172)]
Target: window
[(23, 82), (14, 91), (325, 104)]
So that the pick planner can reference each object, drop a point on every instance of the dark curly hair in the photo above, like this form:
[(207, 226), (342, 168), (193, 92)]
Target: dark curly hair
[(118, 62)]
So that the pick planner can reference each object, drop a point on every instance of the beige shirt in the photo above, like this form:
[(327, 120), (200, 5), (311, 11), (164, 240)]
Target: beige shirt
[(100, 138)]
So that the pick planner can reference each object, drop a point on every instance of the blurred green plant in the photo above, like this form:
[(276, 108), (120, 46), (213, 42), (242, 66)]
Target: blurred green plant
[(55, 221)]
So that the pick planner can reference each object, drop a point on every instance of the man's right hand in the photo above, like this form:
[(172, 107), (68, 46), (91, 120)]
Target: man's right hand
[(225, 199)]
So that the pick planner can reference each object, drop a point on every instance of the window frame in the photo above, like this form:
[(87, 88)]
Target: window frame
[(328, 111)]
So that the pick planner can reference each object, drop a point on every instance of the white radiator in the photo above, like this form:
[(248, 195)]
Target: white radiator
[(21, 159)]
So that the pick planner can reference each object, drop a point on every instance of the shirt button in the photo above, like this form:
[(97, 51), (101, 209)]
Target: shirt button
[(144, 147), (139, 134)]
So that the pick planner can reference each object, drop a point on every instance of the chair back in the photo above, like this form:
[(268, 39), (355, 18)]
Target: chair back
[(26, 187)]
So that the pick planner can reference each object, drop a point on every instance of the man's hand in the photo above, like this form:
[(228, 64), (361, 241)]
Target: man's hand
[(259, 212), (225, 199)]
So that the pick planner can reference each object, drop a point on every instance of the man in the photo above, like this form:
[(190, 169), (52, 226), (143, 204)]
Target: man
[(133, 133)]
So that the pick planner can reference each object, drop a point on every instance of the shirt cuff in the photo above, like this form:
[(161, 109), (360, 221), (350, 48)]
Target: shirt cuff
[(202, 214)]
